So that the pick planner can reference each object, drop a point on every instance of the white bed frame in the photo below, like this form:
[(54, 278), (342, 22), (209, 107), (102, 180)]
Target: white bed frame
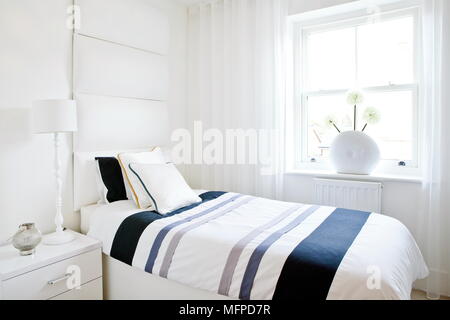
[(123, 282)]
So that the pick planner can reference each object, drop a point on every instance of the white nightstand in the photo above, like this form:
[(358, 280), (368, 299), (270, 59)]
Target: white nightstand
[(52, 272)]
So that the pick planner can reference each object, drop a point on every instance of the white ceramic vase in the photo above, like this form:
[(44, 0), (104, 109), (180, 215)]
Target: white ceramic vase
[(354, 152)]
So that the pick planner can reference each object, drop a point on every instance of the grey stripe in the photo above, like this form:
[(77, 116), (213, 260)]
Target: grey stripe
[(258, 254), (177, 237), (163, 233), (233, 257)]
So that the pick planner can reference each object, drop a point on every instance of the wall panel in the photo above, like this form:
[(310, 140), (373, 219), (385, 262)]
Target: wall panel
[(105, 68), (135, 23), (120, 123)]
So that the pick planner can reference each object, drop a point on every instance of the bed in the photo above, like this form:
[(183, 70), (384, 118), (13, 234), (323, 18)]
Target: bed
[(236, 246), (229, 246)]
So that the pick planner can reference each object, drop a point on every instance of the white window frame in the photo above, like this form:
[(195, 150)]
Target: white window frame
[(300, 27)]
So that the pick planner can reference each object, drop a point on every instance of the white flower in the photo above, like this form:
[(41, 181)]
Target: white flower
[(330, 120), (355, 97), (371, 115)]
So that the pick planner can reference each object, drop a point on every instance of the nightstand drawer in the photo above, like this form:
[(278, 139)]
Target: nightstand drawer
[(50, 281), (92, 290)]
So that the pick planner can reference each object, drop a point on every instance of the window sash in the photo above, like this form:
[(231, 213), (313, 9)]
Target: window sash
[(301, 106)]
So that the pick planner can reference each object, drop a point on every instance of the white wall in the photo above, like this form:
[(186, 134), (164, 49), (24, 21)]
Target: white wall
[(35, 63)]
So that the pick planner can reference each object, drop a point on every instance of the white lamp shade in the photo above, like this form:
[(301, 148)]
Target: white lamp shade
[(51, 116)]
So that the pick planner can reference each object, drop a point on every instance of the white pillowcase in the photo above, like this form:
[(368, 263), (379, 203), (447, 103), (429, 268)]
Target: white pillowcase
[(125, 159), (164, 186), (101, 188)]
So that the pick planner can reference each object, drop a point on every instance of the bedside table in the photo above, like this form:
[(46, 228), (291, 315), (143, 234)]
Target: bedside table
[(71, 271)]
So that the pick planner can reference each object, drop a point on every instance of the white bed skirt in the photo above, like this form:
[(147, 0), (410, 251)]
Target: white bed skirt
[(123, 282)]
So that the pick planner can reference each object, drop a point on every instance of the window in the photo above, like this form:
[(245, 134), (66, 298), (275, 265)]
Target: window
[(379, 57)]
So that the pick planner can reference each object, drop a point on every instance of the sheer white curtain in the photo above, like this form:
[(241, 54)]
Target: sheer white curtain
[(236, 81), (436, 116)]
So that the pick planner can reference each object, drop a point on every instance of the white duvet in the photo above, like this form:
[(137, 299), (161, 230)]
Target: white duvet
[(382, 262)]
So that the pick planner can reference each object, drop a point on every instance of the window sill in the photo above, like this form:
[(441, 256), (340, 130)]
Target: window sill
[(376, 177)]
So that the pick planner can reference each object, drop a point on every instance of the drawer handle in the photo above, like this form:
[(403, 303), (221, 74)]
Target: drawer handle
[(65, 277)]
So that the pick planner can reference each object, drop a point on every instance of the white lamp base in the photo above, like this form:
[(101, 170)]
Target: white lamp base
[(58, 238)]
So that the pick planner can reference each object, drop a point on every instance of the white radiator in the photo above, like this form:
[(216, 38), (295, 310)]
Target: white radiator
[(357, 195)]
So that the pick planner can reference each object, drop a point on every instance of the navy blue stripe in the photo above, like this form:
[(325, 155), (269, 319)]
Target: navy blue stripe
[(261, 249), (310, 269), (145, 187), (128, 234), (130, 230)]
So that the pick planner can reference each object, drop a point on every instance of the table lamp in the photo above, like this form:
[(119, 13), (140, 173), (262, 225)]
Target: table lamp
[(56, 117)]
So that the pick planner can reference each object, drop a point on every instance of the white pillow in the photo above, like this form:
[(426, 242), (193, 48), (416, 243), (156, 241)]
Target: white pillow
[(164, 186), (153, 157), (86, 185), (101, 188)]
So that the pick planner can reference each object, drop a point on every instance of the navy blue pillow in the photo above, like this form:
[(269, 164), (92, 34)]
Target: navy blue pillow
[(111, 174)]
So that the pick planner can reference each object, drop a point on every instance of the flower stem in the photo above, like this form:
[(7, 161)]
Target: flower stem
[(354, 118), (336, 127), (364, 128)]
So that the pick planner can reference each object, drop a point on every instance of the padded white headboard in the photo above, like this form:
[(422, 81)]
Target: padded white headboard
[(109, 123), (120, 82)]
